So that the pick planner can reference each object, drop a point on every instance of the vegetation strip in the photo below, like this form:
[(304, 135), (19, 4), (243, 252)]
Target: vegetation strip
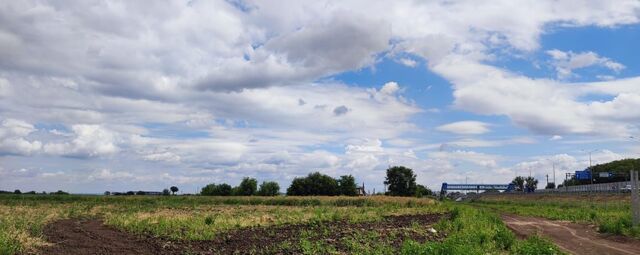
[(88, 236), (610, 213)]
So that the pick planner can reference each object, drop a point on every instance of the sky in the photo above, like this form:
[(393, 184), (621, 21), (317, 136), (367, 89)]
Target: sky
[(128, 95)]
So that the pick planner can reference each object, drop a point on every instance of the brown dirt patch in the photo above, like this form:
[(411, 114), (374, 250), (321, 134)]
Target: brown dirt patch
[(91, 236), (572, 238)]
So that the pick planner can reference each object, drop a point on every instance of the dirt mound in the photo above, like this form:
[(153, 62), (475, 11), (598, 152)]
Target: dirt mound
[(92, 237), (571, 237)]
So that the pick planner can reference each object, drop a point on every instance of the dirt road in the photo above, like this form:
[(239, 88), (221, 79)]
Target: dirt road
[(571, 237)]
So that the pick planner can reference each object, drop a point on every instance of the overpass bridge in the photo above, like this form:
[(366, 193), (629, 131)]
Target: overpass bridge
[(475, 187)]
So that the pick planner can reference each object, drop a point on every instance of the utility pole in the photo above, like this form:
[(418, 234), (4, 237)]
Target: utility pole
[(547, 179), (554, 175), (590, 169)]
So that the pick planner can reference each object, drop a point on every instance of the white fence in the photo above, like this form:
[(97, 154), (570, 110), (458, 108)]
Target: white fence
[(613, 187)]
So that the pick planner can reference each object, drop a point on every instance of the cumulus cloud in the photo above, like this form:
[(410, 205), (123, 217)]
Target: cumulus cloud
[(529, 102), (476, 158), (390, 88), (566, 62), (345, 42), (340, 110), (13, 138), (555, 138), (222, 91), (408, 62), (88, 141), (465, 127)]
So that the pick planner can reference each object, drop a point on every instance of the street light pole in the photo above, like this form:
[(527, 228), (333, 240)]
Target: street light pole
[(590, 169), (554, 175)]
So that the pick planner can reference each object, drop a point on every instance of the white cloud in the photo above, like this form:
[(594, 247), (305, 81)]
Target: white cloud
[(566, 62), (13, 138), (89, 141), (390, 88), (541, 105), (465, 127), (555, 138), (203, 88), (408, 62), (481, 159)]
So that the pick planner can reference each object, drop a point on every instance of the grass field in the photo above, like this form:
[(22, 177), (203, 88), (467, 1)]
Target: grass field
[(611, 213), (463, 229)]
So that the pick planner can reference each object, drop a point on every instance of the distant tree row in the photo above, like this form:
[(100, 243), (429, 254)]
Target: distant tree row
[(248, 187), (317, 184), (165, 192), (18, 192)]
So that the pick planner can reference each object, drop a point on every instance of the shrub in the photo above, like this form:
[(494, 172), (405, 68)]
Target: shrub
[(216, 190), (315, 184), (536, 245)]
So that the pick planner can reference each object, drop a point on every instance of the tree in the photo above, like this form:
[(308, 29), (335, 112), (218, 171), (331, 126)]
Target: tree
[(519, 183), (347, 185), (298, 187), (60, 192), (269, 189), (166, 192), (401, 181), (107, 193), (422, 191), (174, 189), (17, 192), (531, 184), (315, 184), (247, 187), (216, 190), (550, 185)]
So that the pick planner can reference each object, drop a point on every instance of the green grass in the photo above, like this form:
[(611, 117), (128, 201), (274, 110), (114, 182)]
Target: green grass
[(476, 231), (611, 216), (469, 231), (22, 217)]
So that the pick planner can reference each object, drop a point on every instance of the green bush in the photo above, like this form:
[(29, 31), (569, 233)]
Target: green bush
[(536, 246)]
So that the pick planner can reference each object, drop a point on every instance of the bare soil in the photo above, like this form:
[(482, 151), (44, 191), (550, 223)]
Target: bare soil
[(572, 238), (91, 236)]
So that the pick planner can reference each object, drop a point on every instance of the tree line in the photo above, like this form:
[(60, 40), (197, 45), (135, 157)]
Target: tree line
[(401, 181), (18, 192), (248, 187)]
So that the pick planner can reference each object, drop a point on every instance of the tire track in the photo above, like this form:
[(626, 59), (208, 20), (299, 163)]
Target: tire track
[(571, 237)]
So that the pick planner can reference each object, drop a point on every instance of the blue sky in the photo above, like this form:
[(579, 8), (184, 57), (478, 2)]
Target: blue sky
[(117, 95)]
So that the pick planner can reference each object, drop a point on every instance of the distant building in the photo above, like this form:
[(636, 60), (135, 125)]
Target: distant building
[(139, 193), (361, 191)]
